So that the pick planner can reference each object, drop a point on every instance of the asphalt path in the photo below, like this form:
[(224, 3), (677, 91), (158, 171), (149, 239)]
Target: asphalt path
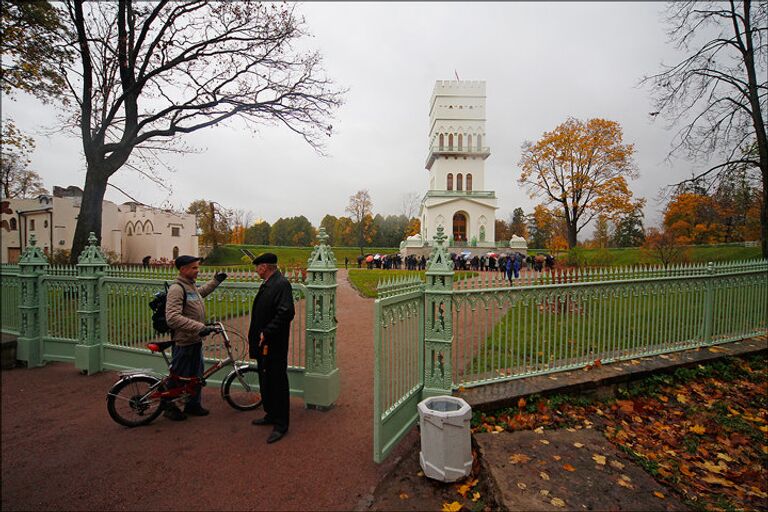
[(61, 450)]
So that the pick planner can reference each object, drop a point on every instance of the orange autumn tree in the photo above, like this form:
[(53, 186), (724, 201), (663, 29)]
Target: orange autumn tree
[(692, 218), (581, 168)]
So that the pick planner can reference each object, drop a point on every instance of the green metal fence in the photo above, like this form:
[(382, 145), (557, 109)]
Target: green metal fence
[(98, 316), (483, 330)]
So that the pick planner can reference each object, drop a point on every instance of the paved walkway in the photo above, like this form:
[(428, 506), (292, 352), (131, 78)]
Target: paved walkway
[(61, 451)]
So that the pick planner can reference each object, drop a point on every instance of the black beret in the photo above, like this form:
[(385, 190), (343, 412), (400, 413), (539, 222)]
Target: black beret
[(266, 257), (186, 260)]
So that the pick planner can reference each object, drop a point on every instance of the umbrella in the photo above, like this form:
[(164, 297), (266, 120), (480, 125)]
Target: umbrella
[(492, 255), (368, 258), (466, 253), (377, 257)]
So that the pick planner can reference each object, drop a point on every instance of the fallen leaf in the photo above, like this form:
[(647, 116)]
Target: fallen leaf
[(451, 507), (420, 473), (464, 488), (521, 485), (716, 350), (539, 430), (663, 398), (499, 428), (600, 459), (578, 445), (461, 389), (543, 441), (754, 491), (598, 363), (544, 476), (712, 468), (475, 496), (544, 492), (681, 398), (725, 457), (710, 479), (556, 457), (658, 495), (625, 483), (568, 467), (521, 403), (519, 458), (557, 502), (698, 429), (403, 496), (616, 464), (684, 469)]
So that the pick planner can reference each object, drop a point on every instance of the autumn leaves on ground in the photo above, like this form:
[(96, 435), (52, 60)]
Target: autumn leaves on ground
[(701, 433)]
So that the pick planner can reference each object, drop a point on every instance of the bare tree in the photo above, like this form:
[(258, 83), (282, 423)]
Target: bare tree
[(360, 209), (411, 201), (148, 73), (718, 92)]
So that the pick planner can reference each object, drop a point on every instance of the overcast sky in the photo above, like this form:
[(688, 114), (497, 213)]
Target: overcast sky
[(542, 62)]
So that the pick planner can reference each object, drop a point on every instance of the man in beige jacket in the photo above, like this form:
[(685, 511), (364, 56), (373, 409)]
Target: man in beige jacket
[(185, 314)]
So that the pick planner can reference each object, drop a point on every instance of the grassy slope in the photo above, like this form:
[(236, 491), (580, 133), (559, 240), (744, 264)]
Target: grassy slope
[(289, 256)]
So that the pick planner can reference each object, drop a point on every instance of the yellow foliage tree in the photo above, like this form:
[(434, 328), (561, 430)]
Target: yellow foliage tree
[(692, 218), (582, 169)]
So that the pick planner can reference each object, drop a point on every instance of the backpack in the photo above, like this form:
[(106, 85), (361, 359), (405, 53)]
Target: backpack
[(157, 305)]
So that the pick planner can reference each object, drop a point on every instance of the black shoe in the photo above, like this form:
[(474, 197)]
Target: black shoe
[(275, 436), (196, 410), (262, 421), (173, 413)]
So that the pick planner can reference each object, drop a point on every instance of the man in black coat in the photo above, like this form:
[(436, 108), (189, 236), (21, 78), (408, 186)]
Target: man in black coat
[(268, 342)]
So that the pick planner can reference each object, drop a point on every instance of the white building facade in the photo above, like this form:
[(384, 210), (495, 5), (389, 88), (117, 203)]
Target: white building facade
[(129, 232), (456, 198)]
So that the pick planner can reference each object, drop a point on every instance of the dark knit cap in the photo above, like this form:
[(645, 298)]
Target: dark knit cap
[(267, 257)]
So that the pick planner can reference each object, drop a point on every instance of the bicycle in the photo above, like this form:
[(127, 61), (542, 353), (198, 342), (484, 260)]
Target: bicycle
[(136, 398)]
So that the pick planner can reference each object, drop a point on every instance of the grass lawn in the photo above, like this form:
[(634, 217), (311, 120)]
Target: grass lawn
[(634, 255), (365, 281), (541, 330)]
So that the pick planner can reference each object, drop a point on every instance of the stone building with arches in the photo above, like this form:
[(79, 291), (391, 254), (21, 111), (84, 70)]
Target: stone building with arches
[(129, 232), (456, 198)]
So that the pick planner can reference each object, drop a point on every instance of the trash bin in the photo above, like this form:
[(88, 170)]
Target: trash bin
[(446, 446)]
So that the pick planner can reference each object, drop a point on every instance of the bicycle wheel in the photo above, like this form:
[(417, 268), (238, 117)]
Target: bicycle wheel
[(236, 395), (126, 405)]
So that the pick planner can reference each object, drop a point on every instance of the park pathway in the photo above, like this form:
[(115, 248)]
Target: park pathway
[(61, 451)]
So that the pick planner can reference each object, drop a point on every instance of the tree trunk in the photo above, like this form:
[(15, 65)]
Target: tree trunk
[(571, 235), (89, 218), (764, 216)]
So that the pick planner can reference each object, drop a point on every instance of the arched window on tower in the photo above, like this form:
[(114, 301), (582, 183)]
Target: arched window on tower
[(479, 142), (450, 181), (469, 141), (461, 142), (469, 183), (458, 182), (13, 224), (450, 141), (442, 141)]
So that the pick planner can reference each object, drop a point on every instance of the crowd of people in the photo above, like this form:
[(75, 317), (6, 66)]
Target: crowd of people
[(509, 264)]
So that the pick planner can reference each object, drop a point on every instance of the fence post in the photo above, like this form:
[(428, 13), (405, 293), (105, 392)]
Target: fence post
[(709, 299), (438, 331), (91, 265), (32, 265), (321, 377)]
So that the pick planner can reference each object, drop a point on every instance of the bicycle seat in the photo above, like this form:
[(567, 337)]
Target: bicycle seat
[(160, 346)]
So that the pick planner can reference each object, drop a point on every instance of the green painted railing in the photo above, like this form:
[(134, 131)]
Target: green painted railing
[(435, 338), (98, 316), (506, 333)]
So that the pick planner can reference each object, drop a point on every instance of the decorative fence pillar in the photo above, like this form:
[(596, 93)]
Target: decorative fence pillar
[(438, 331), (29, 345), (91, 265), (321, 377)]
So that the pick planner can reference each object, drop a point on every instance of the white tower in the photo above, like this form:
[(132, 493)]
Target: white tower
[(457, 199)]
